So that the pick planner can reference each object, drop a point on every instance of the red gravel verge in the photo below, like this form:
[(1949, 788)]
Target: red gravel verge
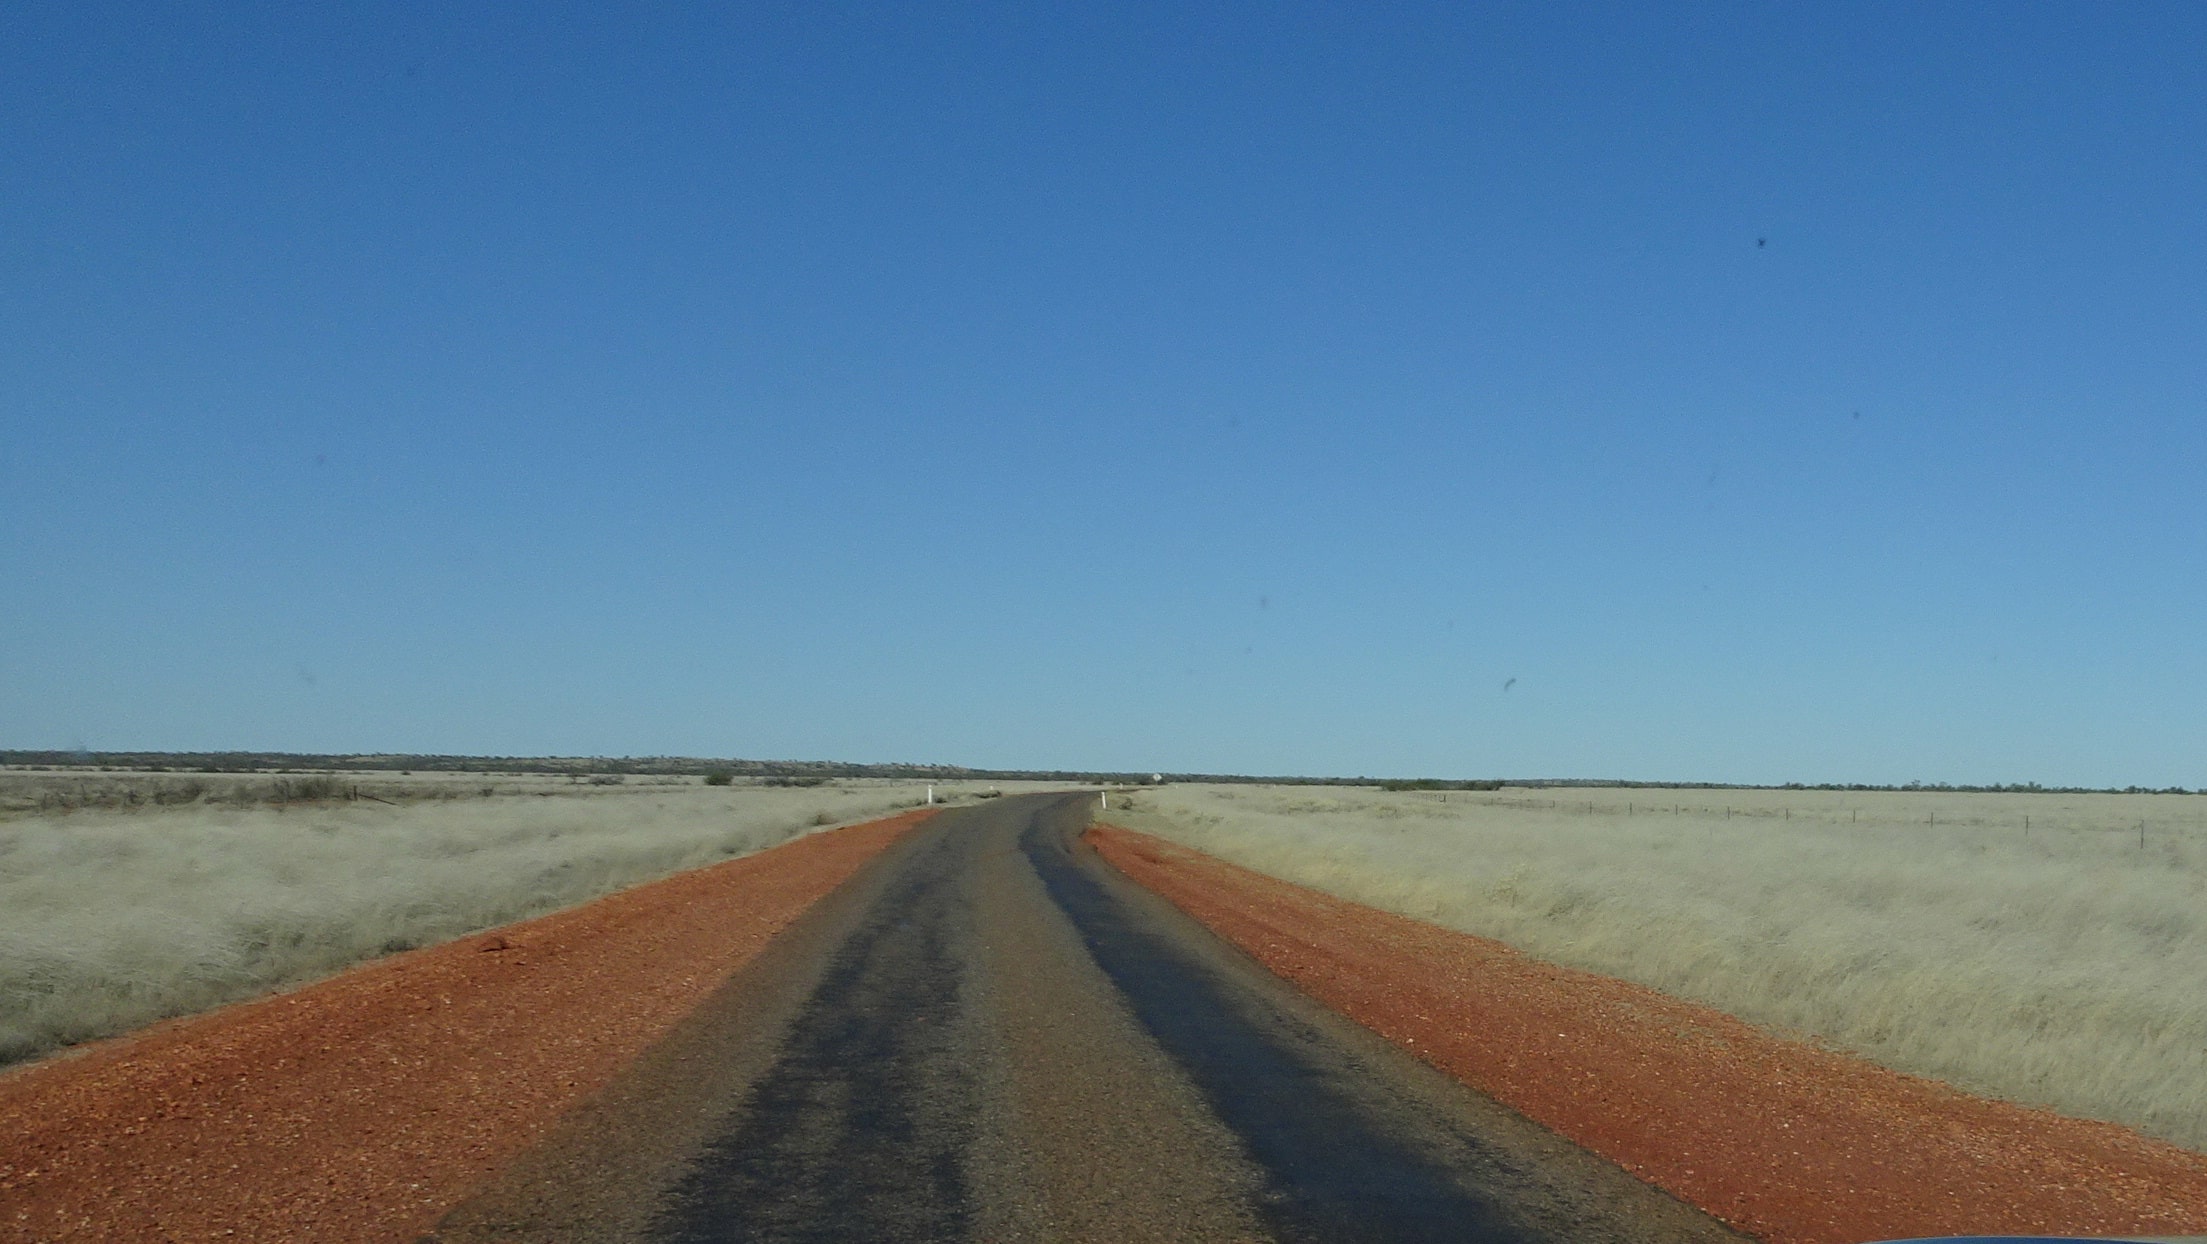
[(1784, 1140), (362, 1107)]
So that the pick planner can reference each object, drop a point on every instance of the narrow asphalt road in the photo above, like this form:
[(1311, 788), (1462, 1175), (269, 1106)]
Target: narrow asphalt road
[(992, 1035)]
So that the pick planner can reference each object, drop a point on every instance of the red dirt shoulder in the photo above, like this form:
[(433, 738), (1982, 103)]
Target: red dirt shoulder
[(360, 1108), (1786, 1140)]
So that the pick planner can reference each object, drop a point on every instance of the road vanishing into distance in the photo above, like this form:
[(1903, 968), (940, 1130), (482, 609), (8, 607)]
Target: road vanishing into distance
[(990, 1034)]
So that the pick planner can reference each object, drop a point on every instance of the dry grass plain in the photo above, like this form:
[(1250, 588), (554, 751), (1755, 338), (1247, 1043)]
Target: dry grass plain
[(2060, 964), (128, 898)]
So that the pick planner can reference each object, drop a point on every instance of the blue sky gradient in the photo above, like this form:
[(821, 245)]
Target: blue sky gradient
[(1773, 392)]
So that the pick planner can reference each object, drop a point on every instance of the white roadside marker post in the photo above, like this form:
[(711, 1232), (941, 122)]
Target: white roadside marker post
[(930, 794)]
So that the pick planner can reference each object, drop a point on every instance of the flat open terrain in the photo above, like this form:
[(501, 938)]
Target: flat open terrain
[(1791, 1142), (985, 1034), (2022, 946), (978, 1028), (127, 898), (361, 1107)]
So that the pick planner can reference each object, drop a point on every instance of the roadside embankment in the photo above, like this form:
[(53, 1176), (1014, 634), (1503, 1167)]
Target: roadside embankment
[(362, 1107), (1788, 1141)]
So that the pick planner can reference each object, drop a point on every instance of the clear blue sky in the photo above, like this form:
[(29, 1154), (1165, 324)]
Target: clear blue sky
[(1774, 392)]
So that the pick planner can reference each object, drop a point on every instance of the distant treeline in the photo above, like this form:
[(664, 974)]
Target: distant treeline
[(823, 770), (1438, 784), (771, 772), (2009, 788)]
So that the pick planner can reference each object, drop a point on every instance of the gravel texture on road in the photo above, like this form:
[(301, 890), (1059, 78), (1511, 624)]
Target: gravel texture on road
[(363, 1107), (991, 1035), (1788, 1141)]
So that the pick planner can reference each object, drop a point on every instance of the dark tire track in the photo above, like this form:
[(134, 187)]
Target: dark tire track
[(858, 1132), (1334, 1171)]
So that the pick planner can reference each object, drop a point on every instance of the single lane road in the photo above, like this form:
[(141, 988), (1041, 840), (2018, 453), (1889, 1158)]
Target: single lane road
[(990, 1034)]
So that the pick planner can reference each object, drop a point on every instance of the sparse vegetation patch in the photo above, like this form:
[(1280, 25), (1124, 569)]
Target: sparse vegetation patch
[(128, 897)]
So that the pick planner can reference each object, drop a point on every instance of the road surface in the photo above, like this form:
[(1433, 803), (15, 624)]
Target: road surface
[(991, 1035)]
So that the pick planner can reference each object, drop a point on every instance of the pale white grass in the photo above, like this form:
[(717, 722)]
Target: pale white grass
[(2063, 965), (111, 919)]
